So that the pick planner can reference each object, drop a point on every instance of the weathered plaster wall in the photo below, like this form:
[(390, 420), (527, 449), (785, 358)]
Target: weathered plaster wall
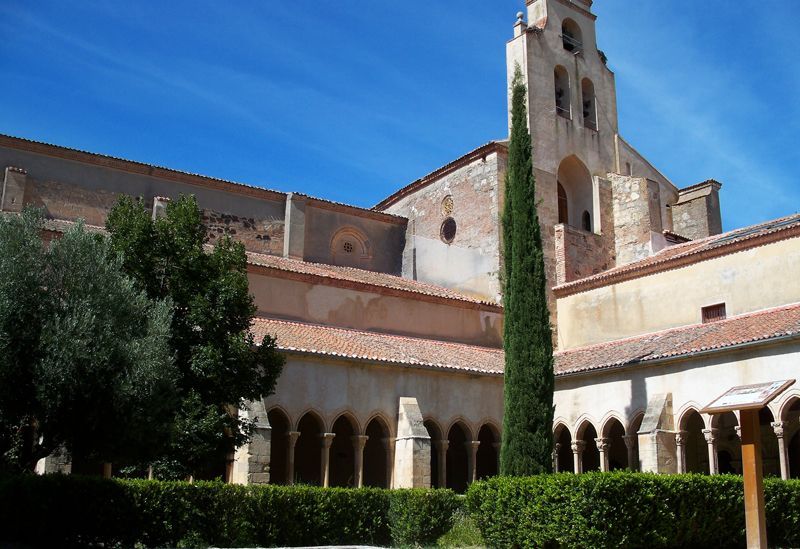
[(71, 190), (745, 281), (384, 240), (471, 262), (334, 306), (331, 387)]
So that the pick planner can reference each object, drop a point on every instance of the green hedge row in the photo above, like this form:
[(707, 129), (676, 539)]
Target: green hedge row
[(627, 510), (58, 511)]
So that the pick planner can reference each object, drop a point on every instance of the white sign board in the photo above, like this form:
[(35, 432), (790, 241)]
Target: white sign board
[(747, 396)]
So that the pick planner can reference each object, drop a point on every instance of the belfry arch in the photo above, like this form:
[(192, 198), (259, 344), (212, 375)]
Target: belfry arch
[(575, 184)]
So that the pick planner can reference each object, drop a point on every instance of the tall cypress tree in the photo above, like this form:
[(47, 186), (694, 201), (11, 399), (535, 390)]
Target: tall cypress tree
[(529, 379)]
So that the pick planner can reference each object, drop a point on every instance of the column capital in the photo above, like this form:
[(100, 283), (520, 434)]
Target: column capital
[(680, 437), (738, 430), (778, 427), (359, 441), (293, 436), (711, 435), (603, 444), (472, 444), (578, 446), (630, 440), (441, 445), (327, 439)]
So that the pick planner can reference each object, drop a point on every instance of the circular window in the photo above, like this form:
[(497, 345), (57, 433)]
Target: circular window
[(447, 205), (348, 247), (448, 230)]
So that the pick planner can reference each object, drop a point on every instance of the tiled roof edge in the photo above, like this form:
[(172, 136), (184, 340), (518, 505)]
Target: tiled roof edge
[(640, 269)]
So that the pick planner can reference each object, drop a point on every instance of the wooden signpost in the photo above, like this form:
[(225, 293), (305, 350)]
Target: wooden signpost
[(749, 399)]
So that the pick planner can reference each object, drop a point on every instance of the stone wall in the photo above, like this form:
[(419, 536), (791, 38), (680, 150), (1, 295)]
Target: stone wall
[(578, 254), (258, 235), (697, 213), (637, 216)]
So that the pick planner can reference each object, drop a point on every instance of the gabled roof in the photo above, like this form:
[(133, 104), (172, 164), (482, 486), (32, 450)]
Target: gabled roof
[(694, 251), (364, 280), (327, 341), (761, 326)]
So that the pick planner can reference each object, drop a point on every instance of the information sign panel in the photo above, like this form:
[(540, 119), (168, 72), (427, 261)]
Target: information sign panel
[(747, 397)]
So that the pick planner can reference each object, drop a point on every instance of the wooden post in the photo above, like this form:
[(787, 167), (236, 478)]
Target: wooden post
[(755, 515)]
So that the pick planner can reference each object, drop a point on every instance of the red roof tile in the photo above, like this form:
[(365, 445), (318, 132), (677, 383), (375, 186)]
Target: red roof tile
[(748, 328), (690, 252), (377, 347), (366, 279)]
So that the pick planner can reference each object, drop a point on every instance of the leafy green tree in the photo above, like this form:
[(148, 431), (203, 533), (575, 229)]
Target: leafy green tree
[(220, 365), (529, 379), (84, 354)]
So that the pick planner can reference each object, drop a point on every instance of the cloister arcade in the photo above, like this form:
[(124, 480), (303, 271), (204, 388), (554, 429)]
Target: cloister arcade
[(347, 453), (704, 443)]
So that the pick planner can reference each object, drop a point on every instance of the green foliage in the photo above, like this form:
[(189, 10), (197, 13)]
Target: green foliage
[(529, 379), (81, 511), (220, 365), (464, 533), (84, 354), (420, 516), (627, 510)]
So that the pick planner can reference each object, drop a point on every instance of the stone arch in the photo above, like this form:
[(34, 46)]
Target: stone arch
[(613, 431), (385, 421), (590, 455), (376, 453), (458, 436), (588, 104), (466, 425), (437, 439), (563, 461), (280, 422), (343, 451), (790, 415), (349, 246), (695, 448), (571, 36), (561, 93), (308, 449), (487, 459), (790, 402), (575, 179)]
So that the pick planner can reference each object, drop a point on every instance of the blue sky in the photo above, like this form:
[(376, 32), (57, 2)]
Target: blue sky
[(351, 100)]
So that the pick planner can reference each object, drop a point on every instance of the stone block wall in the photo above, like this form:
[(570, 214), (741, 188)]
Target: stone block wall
[(637, 216), (258, 235), (578, 254), (697, 213)]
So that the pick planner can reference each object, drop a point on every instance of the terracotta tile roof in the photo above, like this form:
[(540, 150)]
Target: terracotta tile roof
[(748, 328), (328, 341), (364, 279), (690, 252), (425, 180)]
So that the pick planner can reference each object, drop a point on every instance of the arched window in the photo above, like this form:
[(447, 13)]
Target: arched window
[(562, 96), (571, 36), (563, 209), (586, 221), (589, 106)]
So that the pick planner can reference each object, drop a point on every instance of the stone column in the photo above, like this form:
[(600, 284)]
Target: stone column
[(359, 441), (327, 440), (408, 457), (603, 444), (249, 464), (496, 446), (291, 440), (472, 460), (783, 452), (680, 444), (577, 455), (441, 447), (711, 440), (555, 457), (630, 445)]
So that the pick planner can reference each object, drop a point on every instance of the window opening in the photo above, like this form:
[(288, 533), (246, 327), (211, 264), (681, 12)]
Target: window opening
[(571, 36), (714, 313), (348, 247), (448, 230), (563, 211), (562, 95), (586, 221), (589, 104)]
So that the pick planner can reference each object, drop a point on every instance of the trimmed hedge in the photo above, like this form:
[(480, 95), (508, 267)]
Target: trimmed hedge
[(627, 510), (58, 511)]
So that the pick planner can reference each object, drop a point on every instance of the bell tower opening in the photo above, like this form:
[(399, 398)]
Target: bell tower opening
[(575, 185)]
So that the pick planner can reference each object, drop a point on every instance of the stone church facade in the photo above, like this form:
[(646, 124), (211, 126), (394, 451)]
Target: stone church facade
[(390, 318)]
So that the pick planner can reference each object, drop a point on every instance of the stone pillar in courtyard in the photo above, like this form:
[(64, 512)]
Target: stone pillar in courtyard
[(251, 461), (291, 441), (783, 451), (657, 447), (554, 458), (472, 459), (603, 444), (680, 446), (440, 447), (359, 442), (325, 457), (577, 455), (711, 441), (630, 445), (412, 452)]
